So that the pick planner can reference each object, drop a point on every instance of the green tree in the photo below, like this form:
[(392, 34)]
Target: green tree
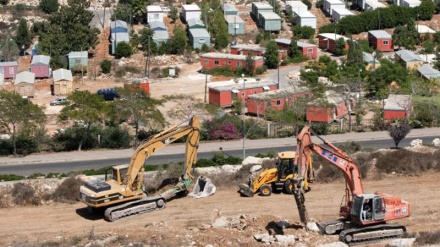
[(271, 55), (406, 36), (355, 57), (18, 116), (428, 46), (174, 14), (378, 81), (123, 49), (8, 49), (340, 47), (178, 41), (23, 38), (84, 108), (398, 130), (106, 66), (4, 2), (146, 36), (303, 32), (250, 66), (122, 12), (139, 9), (48, 6), (139, 107)]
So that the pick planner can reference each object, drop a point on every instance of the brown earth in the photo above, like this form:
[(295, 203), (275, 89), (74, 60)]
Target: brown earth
[(185, 221)]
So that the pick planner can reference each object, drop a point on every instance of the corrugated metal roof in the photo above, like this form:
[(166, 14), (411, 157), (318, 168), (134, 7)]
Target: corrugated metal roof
[(296, 4), (249, 47), (190, 7), (154, 8), (332, 36), (262, 5), (428, 71), (424, 29), (161, 35), (380, 34), (195, 21), (40, 59), (25, 77), (335, 2), (408, 56), (330, 97), (157, 24), (229, 7), (233, 19), (343, 12), (62, 75), (369, 58), (118, 23), (13, 63), (278, 93), (283, 41), (227, 56), (304, 44), (306, 14), (239, 86), (270, 16), (374, 4), (78, 54), (199, 32), (398, 102), (121, 37)]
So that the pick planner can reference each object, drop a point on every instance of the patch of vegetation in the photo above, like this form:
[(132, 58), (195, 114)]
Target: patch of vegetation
[(403, 161), (428, 238), (24, 194), (10, 177), (67, 191), (122, 71), (350, 147)]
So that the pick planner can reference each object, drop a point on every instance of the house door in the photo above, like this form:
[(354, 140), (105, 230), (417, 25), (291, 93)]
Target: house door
[(56, 89), (63, 89)]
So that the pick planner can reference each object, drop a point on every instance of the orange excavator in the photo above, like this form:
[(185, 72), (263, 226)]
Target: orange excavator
[(364, 216)]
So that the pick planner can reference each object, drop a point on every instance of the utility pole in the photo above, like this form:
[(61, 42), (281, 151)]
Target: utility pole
[(244, 114)]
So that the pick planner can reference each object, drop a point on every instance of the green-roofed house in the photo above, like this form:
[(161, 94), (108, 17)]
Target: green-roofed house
[(199, 37)]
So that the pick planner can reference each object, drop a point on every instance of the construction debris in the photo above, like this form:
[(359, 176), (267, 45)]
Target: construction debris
[(203, 188)]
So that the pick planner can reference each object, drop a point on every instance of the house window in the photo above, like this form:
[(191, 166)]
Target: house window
[(77, 61), (238, 64), (11, 70), (229, 62), (155, 16), (216, 62), (385, 42), (309, 50), (278, 102), (201, 41)]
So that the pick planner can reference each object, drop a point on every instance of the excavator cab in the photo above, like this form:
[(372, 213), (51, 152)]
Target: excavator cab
[(116, 173), (286, 165), (367, 209)]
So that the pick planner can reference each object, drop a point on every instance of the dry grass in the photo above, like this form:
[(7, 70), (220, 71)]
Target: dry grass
[(24, 194), (431, 237), (67, 191)]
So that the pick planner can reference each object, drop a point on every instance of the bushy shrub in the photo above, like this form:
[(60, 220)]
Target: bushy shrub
[(222, 70), (123, 49), (67, 191), (24, 194), (26, 145), (105, 66), (70, 138), (4, 2), (48, 6), (5, 147), (320, 128), (350, 147), (222, 131), (428, 238), (120, 72), (115, 137), (10, 177), (403, 161)]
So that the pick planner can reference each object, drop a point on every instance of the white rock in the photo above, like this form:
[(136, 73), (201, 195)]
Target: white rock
[(285, 239), (209, 245), (280, 238), (252, 160), (416, 143), (402, 242), (436, 142), (260, 236), (230, 168), (220, 222), (335, 244), (256, 168), (312, 226)]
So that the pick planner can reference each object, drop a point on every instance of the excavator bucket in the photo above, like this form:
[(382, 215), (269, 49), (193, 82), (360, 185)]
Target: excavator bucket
[(245, 190), (203, 188)]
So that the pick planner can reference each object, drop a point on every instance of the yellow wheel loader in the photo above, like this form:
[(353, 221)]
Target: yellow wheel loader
[(278, 179)]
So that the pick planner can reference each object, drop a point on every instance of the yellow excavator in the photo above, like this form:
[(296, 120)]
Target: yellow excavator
[(275, 179), (122, 191)]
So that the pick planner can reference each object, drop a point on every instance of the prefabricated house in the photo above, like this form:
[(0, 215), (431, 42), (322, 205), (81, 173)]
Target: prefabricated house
[(118, 26), (307, 49), (380, 40), (397, 106), (117, 38), (410, 3), (157, 26), (327, 41), (277, 99), (40, 66), (78, 58), (154, 13), (269, 21), (306, 18), (224, 96), (258, 8), (425, 32), (195, 23), (408, 59), (361, 3), (191, 11), (373, 5), (62, 82), (330, 5), (235, 24), (212, 60), (229, 9), (199, 37), (329, 109), (338, 14), (296, 7), (8, 69), (243, 49), (160, 37), (24, 84), (371, 61), (428, 72)]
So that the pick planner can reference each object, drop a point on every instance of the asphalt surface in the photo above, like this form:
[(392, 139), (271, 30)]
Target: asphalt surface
[(81, 160)]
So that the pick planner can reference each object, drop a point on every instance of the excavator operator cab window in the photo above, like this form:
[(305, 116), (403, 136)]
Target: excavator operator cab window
[(379, 209), (285, 166)]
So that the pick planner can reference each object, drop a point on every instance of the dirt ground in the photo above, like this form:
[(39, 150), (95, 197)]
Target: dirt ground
[(186, 221)]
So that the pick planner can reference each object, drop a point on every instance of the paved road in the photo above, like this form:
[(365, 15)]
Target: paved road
[(73, 161)]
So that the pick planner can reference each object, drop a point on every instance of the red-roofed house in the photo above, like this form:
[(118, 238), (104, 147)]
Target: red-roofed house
[(258, 103)]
